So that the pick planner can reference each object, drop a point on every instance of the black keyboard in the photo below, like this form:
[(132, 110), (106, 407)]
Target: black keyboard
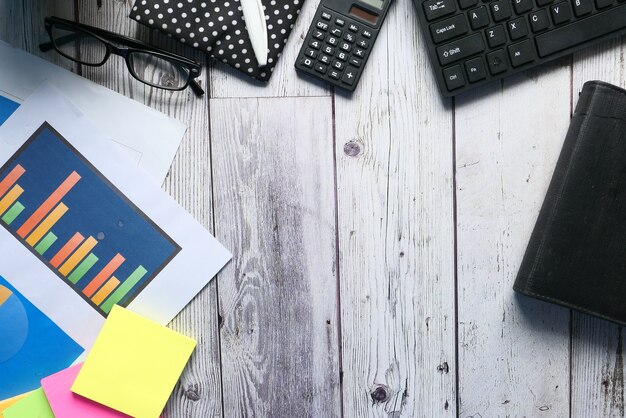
[(473, 42)]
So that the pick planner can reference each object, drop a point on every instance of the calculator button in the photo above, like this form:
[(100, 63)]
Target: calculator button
[(367, 34), (324, 59), (320, 68), (315, 44), (340, 22), (359, 52), (311, 53), (334, 74), (454, 77), (349, 37), (497, 62), (329, 50), (326, 16), (353, 27), (522, 53), (475, 69), (438, 8), (322, 26), (338, 65), (342, 56), (448, 28), (355, 61), (363, 44), (336, 31), (307, 62), (332, 41), (318, 34), (346, 46), (349, 76)]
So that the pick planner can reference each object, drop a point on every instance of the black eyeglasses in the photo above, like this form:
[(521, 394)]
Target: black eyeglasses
[(93, 46)]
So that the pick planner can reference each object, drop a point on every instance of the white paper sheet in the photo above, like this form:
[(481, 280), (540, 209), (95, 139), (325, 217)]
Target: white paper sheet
[(200, 257), (149, 137)]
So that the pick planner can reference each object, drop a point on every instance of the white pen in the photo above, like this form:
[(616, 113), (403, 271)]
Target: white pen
[(257, 29)]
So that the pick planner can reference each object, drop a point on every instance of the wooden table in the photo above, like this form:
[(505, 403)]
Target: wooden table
[(376, 237)]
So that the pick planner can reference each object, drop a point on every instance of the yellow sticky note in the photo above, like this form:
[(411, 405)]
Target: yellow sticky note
[(133, 365)]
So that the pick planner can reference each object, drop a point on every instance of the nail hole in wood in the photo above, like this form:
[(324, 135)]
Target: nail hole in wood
[(352, 149), (379, 394)]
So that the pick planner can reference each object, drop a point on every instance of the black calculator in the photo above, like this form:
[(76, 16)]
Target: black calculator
[(340, 39)]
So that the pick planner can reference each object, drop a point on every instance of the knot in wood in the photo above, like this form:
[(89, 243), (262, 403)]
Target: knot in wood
[(380, 394), (352, 149), (192, 392)]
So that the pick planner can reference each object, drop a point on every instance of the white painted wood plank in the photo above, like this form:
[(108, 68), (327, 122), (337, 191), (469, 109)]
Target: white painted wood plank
[(198, 394), (513, 351), (396, 233), (228, 82), (597, 345), (274, 207)]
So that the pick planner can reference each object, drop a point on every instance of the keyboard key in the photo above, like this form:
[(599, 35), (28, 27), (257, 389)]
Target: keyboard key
[(594, 26), (449, 28), (522, 53), (496, 61), (454, 77), (460, 49), (522, 6), (475, 69), (518, 28), (349, 75), (321, 68), (334, 74), (496, 36), (466, 4), (318, 34), (542, 3), (501, 10), (307, 62), (561, 13), (582, 7), (478, 17), (601, 4), (539, 21), (435, 9), (311, 53), (326, 16)]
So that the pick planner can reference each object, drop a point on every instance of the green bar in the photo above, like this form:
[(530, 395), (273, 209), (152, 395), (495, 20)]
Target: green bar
[(82, 268), (124, 288), (12, 213), (45, 243)]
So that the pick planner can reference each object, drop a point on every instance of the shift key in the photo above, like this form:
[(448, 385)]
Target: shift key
[(460, 49)]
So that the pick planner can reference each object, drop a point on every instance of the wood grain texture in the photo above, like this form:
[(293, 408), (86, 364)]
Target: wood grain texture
[(597, 345), (274, 207), (513, 351), (228, 82), (198, 394), (396, 233)]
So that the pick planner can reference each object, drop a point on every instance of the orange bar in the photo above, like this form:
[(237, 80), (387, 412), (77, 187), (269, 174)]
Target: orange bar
[(11, 178), (104, 274), (10, 198), (5, 293), (105, 290), (78, 256), (47, 223), (49, 203), (67, 249)]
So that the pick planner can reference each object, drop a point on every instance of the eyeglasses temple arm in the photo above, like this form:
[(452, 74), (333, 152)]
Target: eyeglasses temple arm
[(196, 88), (46, 46)]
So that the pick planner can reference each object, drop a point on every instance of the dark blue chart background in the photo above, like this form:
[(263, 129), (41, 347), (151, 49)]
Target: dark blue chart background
[(96, 208)]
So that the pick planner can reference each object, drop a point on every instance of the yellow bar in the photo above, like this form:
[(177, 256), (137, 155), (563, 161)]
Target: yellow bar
[(10, 198), (78, 256), (5, 293), (46, 224), (105, 290)]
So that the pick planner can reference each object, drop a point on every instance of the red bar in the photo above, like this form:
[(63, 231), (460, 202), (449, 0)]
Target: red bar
[(67, 249), (104, 274), (49, 203), (11, 178)]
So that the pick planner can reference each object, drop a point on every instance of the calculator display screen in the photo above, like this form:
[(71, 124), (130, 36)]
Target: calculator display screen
[(364, 14), (374, 3)]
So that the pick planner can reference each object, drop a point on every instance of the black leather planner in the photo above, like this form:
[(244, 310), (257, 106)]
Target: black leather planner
[(576, 256)]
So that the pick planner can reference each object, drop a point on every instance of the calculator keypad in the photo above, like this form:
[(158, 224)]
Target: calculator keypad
[(336, 49)]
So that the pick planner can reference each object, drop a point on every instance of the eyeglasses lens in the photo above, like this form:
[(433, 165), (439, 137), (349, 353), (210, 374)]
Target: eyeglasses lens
[(78, 45), (158, 71)]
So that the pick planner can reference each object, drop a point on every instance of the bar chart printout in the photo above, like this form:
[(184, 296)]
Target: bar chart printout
[(78, 224)]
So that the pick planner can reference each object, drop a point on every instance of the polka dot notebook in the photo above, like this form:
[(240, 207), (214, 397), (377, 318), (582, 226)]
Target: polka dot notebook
[(218, 28)]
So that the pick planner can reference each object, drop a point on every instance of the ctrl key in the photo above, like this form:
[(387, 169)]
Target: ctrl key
[(454, 77)]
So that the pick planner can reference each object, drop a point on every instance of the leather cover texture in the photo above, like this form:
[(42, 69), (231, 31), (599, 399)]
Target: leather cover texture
[(576, 256)]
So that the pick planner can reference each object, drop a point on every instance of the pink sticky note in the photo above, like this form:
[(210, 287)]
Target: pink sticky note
[(66, 404)]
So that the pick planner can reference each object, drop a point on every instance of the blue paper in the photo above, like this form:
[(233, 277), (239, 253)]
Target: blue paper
[(7, 107), (31, 345)]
